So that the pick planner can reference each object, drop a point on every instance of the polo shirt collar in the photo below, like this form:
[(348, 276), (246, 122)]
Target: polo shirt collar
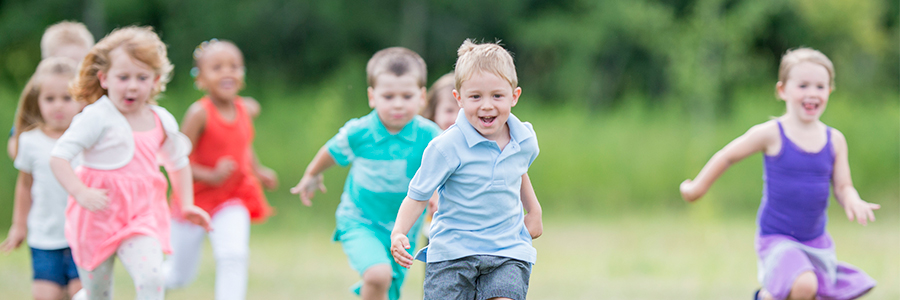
[(408, 132), (517, 131)]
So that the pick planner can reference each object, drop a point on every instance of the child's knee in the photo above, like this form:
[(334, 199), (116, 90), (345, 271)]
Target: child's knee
[(805, 286), (379, 276)]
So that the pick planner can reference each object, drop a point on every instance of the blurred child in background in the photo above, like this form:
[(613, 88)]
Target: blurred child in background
[(226, 172), (45, 111)]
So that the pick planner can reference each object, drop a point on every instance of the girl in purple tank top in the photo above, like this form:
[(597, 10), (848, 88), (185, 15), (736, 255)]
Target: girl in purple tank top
[(803, 158)]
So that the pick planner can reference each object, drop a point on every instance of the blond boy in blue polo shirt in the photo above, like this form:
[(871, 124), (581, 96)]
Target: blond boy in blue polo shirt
[(480, 245), (385, 148)]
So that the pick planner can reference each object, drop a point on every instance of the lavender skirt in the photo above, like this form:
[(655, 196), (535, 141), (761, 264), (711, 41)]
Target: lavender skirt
[(782, 258)]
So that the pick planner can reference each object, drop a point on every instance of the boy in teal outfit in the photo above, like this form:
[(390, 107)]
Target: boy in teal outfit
[(385, 148)]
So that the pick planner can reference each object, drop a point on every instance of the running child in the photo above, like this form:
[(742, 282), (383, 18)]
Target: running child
[(45, 111), (63, 39), (802, 158), (385, 148), (226, 173), (118, 204), (480, 237)]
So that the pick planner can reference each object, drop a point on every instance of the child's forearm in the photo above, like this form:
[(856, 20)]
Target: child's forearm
[(182, 184), (64, 173), (710, 173), (202, 173), (845, 193), (320, 163), (529, 198), (409, 212), (22, 204)]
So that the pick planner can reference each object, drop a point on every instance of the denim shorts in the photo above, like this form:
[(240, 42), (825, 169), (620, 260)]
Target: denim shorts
[(54, 265), (477, 277)]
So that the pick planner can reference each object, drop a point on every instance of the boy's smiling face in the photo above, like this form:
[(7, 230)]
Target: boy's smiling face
[(396, 99), (486, 100)]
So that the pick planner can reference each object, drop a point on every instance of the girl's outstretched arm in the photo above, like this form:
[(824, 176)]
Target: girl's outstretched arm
[(182, 184), (855, 207), (312, 177), (90, 198), (409, 212), (757, 138), (533, 221), (21, 208)]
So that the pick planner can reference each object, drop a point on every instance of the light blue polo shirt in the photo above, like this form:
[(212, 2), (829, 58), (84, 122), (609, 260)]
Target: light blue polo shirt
[(480, 210), (383, 164)]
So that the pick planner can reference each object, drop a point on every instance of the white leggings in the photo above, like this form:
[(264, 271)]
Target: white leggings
[(230, 238), (142, 257)]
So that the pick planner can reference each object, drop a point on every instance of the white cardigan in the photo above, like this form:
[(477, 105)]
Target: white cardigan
[(106, 138)]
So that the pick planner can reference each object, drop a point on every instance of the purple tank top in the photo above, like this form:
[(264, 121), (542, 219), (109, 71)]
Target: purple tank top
[(796, 187)]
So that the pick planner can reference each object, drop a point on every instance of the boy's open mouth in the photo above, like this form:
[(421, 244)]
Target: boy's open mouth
[(487, 121)]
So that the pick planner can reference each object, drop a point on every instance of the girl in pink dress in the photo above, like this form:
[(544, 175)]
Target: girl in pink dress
[(118, 201)]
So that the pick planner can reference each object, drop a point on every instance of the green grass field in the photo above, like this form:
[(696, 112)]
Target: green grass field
[(667, 256)]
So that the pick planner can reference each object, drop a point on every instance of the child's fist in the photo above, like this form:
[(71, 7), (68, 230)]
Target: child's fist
[(92, 199), (688, 191), (223, 170)]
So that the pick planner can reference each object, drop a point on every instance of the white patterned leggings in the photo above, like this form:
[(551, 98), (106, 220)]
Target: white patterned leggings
[(142, 257)]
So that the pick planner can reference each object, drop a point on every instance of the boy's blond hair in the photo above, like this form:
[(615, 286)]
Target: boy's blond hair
[(796, 56), (28, 114), (65, 33), (139, 43), (398, 61), (487, 57)]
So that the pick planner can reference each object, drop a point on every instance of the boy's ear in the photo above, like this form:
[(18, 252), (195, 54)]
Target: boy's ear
[(370, 92), (457, 97), (424, 96), (515, 96)]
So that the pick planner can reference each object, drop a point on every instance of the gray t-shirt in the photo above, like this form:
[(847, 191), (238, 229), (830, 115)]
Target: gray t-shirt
[(47, 218)]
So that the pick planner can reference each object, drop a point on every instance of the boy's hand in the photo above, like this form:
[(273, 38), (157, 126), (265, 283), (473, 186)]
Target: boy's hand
[(196, 215), (307, 187), (399, 245), (534, 224), (222, 171), (14, 239), (860, 210), (688, 191), (267, 177), (92, 199)]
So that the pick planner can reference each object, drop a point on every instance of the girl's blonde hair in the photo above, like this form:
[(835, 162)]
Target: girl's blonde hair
[(487, 57), (28, 114), (794, 57), (140, 43), (442, 86)]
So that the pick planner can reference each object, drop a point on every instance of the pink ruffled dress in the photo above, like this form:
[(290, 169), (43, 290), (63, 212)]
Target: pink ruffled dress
[(137, 204)]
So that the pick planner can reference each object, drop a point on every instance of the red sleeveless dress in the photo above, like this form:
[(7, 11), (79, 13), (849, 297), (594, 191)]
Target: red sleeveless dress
[(221, 138)]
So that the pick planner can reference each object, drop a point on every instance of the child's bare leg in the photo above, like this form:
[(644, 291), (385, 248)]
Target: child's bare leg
[(46, 290), (805, 287), (73, 287), (376, 282)]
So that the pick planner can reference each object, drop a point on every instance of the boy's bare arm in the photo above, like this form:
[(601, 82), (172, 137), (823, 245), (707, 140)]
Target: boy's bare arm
[(533, 221), (409, 212), (312, 177)]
